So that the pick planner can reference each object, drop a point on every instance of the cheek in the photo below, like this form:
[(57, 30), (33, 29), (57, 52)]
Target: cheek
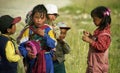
[(52, 18), (35, 20), (62, 36), (98, 23), (14, 28)]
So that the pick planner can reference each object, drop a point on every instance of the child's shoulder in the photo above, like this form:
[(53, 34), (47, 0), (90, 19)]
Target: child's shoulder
[(4, 38), (47, 27)]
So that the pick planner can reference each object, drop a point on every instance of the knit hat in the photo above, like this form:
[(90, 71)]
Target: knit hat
[(62, 25), (51, 9), (6, 21)]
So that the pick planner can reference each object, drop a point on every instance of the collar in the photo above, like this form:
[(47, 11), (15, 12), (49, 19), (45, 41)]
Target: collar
[(7, 36)]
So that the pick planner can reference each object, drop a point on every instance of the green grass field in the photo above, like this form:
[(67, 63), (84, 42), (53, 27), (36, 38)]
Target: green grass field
[(77, 16)]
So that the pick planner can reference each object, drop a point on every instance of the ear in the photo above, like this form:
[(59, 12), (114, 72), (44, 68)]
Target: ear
[(8, 30)]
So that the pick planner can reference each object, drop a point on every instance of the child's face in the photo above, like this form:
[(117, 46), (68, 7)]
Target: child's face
[(97, 20), (52, 17), (12, 30), (39, 19), (63, 33)]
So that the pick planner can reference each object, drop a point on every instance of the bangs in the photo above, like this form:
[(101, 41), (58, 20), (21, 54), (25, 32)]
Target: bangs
[(40, 15)]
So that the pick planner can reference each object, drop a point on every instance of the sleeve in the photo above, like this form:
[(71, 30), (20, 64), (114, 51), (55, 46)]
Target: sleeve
[(10, 52), (66, 48), (23, 50), (102, 43), (24, 35), (24, 38), (50, 39)]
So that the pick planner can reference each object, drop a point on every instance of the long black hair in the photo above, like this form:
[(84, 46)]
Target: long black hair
[(104, 14)]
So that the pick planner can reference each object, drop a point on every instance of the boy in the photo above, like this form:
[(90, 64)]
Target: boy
[(9, 55), (62, 48)]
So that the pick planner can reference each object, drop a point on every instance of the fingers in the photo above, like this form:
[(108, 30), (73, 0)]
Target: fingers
[(39, 32), (18, 52), (31, 55), (86, 33), (83, 37)]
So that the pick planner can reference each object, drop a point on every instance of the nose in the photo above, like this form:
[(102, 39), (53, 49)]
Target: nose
[(39, 19)]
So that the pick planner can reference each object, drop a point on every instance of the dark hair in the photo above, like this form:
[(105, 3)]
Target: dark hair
[(41, 9), (5, 30), (104, 14)]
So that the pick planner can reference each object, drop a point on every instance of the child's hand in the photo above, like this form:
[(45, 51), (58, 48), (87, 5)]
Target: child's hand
[(87, 39), (31, 55), (39, 31), (18, 52), (54, 49), (86, 33)]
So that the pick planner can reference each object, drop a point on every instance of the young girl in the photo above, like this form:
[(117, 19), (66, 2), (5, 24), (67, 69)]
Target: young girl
[(99, 41), (9, 55), (62, 48), (52, 14), (42, 33)]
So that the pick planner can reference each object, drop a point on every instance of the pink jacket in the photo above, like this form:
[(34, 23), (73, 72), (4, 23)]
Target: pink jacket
[(98, 52)]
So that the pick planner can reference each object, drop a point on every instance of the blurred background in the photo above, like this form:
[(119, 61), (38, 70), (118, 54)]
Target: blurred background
[(76, 14)]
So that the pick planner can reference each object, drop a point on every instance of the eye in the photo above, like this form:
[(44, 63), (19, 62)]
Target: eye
[(56, 15)]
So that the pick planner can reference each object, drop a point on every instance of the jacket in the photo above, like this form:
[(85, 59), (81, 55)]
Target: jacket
[(62, 48), (98, 51)]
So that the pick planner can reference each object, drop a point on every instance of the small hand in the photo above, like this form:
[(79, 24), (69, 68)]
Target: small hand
[(39, 31), (31, 55), (86, 33), (87, 39), (18, 52)]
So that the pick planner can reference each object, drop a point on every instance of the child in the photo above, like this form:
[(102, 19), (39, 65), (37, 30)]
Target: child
[(52, 12), (99, 41), (62, 48), (52, 15), (8, 52), (40, 32)]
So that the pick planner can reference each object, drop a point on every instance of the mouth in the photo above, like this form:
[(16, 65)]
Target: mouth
[(38, 25)]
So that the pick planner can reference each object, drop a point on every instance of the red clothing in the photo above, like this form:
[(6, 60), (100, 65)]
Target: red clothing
[(98, 51), (40, 65)]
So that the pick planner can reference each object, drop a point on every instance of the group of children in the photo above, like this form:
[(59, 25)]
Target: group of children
[(48, 37), (47, 53)]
